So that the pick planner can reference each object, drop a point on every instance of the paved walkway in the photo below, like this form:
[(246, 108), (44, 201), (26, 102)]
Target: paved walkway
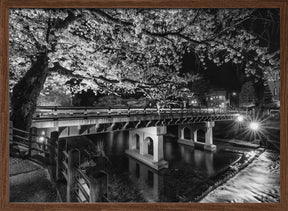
[(29, 182)]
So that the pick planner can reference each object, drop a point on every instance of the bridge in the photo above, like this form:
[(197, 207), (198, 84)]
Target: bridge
[(76, 121), (52, 127), (146, 126)]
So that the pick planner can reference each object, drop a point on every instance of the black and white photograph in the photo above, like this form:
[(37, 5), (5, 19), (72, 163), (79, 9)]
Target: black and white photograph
[(144, 105)]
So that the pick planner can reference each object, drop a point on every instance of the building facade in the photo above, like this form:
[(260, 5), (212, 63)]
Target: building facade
[(217, 99)]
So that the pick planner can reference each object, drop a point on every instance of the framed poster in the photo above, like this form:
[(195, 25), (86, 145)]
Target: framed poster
[(141, 105)]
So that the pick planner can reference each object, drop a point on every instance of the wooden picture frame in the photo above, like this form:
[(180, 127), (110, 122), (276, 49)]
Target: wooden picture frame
[(4, 98)]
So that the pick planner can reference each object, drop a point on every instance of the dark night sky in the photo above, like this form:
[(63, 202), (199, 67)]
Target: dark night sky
[(227, 76), (224, 77), (218, 77)]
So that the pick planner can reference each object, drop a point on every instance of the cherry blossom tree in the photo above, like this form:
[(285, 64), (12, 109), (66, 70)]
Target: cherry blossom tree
[(124, 50), (247, 96)]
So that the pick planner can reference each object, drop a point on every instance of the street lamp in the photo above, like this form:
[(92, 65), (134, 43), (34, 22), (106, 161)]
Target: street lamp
[(254, 126), (41, 139), (240, 118)]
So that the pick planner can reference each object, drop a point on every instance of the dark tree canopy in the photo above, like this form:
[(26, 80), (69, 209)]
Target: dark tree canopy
[(127, 50), (247, 97)]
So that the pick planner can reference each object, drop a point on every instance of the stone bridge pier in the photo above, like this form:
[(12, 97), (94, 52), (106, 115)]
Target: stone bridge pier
[(188, 134), (146, 145)]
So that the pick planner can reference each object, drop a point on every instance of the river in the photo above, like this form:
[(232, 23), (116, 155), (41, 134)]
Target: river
[(189, 173)]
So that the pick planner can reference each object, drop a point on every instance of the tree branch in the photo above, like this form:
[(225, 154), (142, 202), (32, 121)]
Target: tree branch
[(63, 24), (109, 18)]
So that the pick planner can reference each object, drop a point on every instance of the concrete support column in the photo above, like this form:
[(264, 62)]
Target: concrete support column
[(180, 132), (191, 133), (209, 137), (132, 145), (143, 147), (209, 132), (158, 148), (195, 136)]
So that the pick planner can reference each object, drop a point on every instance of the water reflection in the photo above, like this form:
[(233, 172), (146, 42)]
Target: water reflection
[(208, 163), (115, 143), (149, 181), (189, 168)]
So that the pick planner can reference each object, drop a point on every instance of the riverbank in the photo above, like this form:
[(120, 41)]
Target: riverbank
[(229, 172), (258, 182), (191, 176)]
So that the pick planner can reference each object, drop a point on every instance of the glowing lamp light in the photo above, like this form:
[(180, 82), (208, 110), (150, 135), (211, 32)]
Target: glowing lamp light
[(41, 139), (254, 125), (240, 118), (43, 133)]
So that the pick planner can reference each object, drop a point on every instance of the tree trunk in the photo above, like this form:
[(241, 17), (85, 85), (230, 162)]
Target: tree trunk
[(26, 92)]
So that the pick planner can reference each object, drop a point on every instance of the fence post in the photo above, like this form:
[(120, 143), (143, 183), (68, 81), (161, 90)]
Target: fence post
[(59, 155), (32, 135), (73, 162), (52, 152), (70, 177)]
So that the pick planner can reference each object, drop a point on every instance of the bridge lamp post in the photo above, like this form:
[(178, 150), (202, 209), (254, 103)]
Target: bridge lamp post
[(240, 118), (255, 126), (41, 139)]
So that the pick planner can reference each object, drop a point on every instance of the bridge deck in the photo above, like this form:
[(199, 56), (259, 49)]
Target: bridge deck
[(47, 117)]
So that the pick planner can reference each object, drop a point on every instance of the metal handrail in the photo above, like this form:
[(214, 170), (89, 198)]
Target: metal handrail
[(81, 174), (22, 131), (27, 141), (46, 111)]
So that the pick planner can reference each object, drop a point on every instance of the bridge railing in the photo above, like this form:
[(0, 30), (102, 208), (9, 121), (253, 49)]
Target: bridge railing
[(53, 111), (87, 189), (28, 140)]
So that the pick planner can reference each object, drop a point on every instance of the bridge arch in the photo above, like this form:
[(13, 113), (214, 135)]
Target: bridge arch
[(187, 133), (148, 146), (136, 141), (201, 135)]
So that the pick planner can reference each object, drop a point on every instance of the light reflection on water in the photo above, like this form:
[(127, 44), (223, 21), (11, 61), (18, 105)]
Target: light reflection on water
[(186, 166)]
